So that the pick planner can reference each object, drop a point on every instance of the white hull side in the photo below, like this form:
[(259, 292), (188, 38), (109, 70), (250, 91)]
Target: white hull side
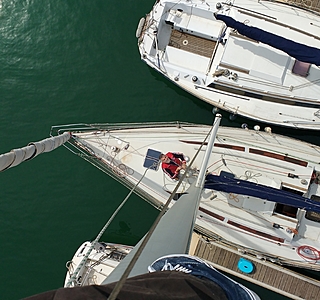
[(260, 157), (261, 84)]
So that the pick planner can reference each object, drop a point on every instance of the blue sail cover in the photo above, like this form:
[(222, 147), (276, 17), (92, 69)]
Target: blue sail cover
[(229, 184), (299, 51)]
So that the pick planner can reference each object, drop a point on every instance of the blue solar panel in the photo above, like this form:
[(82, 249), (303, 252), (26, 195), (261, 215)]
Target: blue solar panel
[(152, 159)]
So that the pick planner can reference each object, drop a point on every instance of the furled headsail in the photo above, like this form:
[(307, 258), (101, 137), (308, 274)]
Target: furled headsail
[(299, 51), (17, 156)]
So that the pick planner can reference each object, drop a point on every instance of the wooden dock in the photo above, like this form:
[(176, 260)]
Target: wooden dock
[(265, 274)]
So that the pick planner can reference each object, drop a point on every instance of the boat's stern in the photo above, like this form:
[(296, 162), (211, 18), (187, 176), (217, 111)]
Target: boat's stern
[(95, 265)]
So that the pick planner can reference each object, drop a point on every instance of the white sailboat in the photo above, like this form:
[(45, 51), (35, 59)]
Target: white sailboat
[(257, 59), (154, 252), (96, 263), (261, 193)]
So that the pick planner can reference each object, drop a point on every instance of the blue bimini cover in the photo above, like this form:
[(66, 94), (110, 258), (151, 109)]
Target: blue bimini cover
[(299, 51), (230, 184)]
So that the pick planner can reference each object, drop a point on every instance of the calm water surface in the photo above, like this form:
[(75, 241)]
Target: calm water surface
[(69, 62)]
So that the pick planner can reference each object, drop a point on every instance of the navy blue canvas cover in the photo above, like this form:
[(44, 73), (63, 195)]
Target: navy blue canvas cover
[(299, 51), (225, 182), (199, 268)]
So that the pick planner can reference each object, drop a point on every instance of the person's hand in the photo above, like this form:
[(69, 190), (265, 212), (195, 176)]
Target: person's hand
[(184, 166)]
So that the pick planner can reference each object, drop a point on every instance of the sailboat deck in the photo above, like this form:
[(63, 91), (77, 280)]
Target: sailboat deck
[(265, 274), (192, 43), (312, 5)]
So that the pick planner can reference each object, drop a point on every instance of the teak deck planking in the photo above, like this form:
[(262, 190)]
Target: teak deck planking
[(192, 43)]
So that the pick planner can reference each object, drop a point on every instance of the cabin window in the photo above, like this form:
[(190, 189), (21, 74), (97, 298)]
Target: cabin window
[(301, 68), (280, 157), (292, 191), (286, 210), (312, 215)]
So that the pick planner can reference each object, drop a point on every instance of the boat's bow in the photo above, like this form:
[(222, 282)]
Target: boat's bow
[(172, 232)]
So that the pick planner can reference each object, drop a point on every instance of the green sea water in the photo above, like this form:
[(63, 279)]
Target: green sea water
[(65, 62)]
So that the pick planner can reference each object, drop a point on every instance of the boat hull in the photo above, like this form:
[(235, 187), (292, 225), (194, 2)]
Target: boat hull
[(201, 55), (279, 232)]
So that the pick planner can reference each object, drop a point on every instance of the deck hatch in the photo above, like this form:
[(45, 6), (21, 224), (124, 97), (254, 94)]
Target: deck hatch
[(151, 160)]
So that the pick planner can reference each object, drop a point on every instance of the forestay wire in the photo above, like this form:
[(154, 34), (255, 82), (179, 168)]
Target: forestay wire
[(131, 264), (84, 259)]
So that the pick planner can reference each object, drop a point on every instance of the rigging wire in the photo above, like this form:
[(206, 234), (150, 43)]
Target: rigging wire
[(84, 260), (131, 264)]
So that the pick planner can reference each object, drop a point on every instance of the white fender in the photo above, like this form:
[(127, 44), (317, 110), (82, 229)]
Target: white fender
[(140, 26)]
